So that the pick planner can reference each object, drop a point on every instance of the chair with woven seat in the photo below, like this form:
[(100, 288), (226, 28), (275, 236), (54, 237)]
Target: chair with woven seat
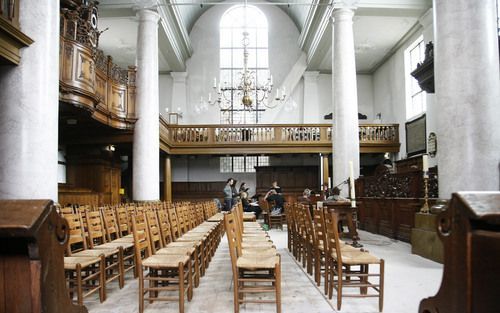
[(253, 272), (163, 272), (88, 269), (350, 268)]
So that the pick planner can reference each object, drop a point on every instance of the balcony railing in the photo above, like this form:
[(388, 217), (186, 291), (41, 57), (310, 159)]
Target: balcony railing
[(372, 137)]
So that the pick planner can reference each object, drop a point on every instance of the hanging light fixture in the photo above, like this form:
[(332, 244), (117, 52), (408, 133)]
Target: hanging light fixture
[(247, 86)]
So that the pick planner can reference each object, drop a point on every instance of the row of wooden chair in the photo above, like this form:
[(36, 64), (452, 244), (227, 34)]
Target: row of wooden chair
[(101, 246), (314, 240), (256, 264)]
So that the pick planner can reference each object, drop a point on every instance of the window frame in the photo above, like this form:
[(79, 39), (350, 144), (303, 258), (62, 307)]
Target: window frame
[(413, 92)]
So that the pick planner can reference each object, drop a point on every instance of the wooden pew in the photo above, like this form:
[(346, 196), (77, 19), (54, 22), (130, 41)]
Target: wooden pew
[(32, 242), (470, 231)]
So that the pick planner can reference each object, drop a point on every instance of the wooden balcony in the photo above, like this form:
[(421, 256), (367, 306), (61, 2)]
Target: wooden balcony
[(276, 138)]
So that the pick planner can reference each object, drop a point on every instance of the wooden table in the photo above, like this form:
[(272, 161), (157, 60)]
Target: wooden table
[(344, 210)]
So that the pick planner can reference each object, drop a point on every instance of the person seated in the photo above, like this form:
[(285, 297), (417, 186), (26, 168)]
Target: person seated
[(250, 206), (336, 195), (276, 200), (306, 196), (276, 187)]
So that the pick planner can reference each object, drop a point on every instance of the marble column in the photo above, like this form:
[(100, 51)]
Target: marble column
[(467, 87), (311, 100), (29, 106), (179, 92), (146, 147), (344, 95)]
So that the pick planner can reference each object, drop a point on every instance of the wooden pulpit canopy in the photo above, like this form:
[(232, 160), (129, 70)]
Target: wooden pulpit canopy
[(32, 242), (470, 231)]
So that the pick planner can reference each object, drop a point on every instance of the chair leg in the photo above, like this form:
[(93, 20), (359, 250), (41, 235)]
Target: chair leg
[(339, 287), (236, 297), (327, 272), (317, 266), (277, 273), (190, 281), (79, 293), (381, 287), (364, 269), (181, 288), (102, 276), (141, 290)]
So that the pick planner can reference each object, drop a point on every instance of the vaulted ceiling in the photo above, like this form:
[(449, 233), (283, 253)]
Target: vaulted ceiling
[(380, 26)]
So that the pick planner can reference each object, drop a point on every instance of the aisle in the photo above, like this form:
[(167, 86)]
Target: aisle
[(409, 278), (215, 294)]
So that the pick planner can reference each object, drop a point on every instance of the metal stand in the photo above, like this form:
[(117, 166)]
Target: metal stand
[(425, 207)]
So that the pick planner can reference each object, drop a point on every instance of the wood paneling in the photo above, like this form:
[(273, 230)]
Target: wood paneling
[(292, 179), (197, 190), (102, 177)]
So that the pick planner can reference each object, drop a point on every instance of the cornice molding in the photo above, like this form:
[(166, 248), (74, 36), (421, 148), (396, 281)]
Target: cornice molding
[(175, 31), (315, 25)]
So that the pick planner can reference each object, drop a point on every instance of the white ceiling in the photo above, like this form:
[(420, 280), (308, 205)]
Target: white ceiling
[(378, 27)]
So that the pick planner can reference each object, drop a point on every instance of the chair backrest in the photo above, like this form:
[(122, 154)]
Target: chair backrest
[(153, 228), (76, 240), (174, 223), (164, 223), (122, 220), (95, 228), (311, 235), (332, 235), (230, 225), (319, 226), (142, 244), (110, 224)]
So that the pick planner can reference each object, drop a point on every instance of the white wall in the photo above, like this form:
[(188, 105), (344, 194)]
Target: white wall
[(61, 167), (165, 87), (389, 92), (203, 66)]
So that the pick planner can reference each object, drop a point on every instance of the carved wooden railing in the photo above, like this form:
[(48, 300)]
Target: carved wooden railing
[(90, 80), (271, 138)]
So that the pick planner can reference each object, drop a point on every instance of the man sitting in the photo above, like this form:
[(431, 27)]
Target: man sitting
[(276, 201)]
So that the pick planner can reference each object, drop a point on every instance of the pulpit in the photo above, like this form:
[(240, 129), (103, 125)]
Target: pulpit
[(470, 231), (32, 242)]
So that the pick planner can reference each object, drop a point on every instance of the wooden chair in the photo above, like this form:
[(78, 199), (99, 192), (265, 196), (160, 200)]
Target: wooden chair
[(163, 272), (252, 272), (85, 269), (351, 268), (321, 249), (114, 238)]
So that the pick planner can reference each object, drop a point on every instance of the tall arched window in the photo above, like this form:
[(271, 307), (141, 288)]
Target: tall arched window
[(234, 22)]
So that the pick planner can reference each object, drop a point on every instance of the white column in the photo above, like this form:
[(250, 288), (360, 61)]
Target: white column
[(146, 151), (29, 105), (311, 99), (345, 98), (466, 71), (179, 93)]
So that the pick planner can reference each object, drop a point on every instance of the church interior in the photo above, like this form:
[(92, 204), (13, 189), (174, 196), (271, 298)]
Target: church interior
[(249, 156)]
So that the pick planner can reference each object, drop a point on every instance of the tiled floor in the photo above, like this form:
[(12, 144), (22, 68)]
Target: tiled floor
[(408, 279)]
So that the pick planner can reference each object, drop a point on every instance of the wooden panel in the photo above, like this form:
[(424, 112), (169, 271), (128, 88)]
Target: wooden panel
[(117, 100), (197, 190), (84, 70), (391, 217)]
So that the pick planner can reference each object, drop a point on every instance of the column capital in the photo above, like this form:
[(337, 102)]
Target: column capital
[(346, 4), (179, 77), (342, 14), (311, 76), (148, 14)]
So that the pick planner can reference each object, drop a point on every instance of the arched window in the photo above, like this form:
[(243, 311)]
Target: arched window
[(234, 22)]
